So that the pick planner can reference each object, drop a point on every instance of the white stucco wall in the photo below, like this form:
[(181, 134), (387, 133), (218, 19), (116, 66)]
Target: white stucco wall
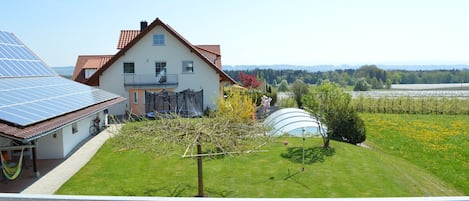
[(70, 140), (50, 147), (64, 142), (112, 80), (144, 55)]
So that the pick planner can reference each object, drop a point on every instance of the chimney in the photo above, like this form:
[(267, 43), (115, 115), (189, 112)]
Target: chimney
[(143, 25)]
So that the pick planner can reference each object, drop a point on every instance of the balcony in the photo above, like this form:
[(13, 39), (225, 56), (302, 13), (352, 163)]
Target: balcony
[(136, 80)]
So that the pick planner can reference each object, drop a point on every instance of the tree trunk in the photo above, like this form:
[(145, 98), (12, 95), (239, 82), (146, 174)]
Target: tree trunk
[(326, 142)]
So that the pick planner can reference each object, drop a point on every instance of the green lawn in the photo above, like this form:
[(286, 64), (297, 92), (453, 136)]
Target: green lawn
[(351, 171), (437, 143)]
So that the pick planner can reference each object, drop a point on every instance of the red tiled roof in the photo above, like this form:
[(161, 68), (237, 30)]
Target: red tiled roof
[(215, 49), (126, 36), (35, 131), (88, 62), (94, 79), (96, 62), (212, 52)]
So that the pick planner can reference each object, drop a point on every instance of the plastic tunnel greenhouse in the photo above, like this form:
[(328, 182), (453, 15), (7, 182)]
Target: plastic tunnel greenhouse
[(293, 121)]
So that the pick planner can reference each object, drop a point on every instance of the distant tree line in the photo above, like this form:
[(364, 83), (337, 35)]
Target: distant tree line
[(373, 75)]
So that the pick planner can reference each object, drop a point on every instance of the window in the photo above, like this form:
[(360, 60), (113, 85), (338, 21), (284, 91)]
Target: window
[(158, 39), (129, 67), (187, 66), (159, 68), (89, 72), (135, 97), (74, 128)]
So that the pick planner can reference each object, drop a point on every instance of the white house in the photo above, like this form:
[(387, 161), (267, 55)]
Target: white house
[(42, 114), (151, 59)]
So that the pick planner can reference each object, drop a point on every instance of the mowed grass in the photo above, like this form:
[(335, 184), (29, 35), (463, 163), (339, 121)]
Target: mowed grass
[(351, 171), (437, 143)]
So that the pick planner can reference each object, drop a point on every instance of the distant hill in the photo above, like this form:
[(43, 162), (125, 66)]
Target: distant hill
[(66, 71), (323, 68)]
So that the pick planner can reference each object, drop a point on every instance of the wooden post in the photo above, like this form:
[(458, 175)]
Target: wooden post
[(33, 150), (200, 170)]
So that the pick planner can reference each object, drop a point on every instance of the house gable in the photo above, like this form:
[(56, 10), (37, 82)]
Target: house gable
[(94, 79), (144, 57)]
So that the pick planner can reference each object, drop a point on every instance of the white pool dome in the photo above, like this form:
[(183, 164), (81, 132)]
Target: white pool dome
[(293, 121)]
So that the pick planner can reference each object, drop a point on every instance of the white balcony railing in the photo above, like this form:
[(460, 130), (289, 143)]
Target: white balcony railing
[(149, 80)]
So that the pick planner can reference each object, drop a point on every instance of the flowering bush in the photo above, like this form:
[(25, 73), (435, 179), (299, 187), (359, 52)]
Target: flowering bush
[(237, 106)]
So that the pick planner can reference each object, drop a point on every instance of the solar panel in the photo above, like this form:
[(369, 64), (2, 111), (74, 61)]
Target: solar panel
[(29, 100), (31, 92), (16, 60)]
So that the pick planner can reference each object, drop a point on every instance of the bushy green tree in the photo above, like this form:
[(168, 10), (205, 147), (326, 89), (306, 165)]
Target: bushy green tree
[(274, 83), (376, 83), (283, 86), (299, 89), (362, 85), (331, 106), (388, 84), (349, 127)]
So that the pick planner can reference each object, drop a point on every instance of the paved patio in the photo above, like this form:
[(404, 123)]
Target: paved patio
[(27, 176)]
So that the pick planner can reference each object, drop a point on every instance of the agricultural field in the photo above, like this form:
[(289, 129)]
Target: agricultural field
[(446, 86), (449, 90), (412, 105), (437, 143), (412, 93)]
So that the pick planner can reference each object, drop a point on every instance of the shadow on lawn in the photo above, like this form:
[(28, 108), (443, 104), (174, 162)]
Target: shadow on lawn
[(312, 154), (181, 190), (289, 177), (171, 191)]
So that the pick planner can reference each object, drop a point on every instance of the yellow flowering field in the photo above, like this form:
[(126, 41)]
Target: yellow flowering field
[(438, 143)]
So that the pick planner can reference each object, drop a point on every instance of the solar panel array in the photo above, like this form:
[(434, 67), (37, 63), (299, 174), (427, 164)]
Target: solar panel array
[(16, 60), (31, 92), (25, 101)]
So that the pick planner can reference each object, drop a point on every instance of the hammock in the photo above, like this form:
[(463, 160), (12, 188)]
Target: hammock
[(11, 173)]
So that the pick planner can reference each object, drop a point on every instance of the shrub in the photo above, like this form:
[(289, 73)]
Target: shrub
[(237, 106), (347, 127), (288, 102)]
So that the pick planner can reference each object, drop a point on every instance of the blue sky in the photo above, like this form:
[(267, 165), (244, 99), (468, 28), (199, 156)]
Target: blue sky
[(298, 32)]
